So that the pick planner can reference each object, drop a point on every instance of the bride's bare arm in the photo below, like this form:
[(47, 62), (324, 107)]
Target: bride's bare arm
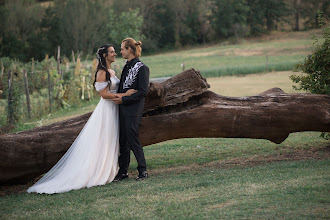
[(100, 77)]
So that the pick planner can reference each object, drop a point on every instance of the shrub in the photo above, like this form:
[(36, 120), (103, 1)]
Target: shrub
[(317, 67)]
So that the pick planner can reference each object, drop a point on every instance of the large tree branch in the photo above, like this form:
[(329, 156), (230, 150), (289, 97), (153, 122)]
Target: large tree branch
[(180, 107)]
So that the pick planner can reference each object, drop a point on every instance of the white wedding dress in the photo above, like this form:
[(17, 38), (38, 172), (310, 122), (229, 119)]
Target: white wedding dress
[(92, 159)]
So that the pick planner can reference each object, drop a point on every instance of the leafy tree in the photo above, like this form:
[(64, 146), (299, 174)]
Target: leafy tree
[(310, 10), (158, 21), (229, 17), (126, 24), (317, 67), (191, 24), (275, 11), (80, 25), (263, 15), (20, 25)]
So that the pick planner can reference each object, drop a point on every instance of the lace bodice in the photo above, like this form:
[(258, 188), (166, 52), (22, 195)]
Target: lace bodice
[(113, 86)]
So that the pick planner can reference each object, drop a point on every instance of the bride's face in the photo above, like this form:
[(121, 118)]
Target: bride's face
[(111, 57)]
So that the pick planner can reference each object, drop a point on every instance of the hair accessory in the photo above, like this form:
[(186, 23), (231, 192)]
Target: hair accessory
[(98, 56)]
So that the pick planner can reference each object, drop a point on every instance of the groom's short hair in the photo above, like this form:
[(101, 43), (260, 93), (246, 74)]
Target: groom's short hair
[(135, 46)]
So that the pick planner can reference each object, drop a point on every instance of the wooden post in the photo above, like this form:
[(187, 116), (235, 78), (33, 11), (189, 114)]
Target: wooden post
[(73, 58), (32, 65), (77, 69), (90, 83), (2, 68), (83, 88), (10, 98), (26, 84), (88, 88), (59, 61), (49, 91)]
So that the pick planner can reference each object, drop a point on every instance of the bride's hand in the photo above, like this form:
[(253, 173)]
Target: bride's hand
[(130, 92)]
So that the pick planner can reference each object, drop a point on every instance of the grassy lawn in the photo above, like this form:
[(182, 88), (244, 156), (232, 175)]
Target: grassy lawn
[(202, 179), (283, 51)]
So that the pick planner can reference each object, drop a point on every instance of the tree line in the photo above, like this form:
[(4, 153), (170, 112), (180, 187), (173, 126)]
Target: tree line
[(31, 28)]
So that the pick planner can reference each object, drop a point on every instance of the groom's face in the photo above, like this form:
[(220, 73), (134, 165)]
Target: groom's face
[(124, 52)]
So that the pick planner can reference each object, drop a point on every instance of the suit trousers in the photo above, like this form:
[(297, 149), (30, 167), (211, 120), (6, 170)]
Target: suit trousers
[(129, 140)]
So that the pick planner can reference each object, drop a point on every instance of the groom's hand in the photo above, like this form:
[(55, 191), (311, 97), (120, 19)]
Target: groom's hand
[(118, 99)]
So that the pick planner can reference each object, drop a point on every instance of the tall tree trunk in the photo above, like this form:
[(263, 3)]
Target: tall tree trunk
[(297, 14)]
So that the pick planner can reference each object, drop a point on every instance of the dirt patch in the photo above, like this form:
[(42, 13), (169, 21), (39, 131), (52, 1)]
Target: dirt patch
[(14, 189), (317, 153), (277, 35)]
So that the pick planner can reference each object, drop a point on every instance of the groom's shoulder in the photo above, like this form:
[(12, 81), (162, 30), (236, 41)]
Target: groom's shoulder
[(143, 65), (139, 65)]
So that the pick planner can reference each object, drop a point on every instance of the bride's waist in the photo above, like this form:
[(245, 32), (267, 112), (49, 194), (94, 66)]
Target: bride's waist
[(108, 100), (112, 91)]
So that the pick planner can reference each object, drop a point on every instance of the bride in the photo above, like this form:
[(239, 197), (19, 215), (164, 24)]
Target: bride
[(92, 159)]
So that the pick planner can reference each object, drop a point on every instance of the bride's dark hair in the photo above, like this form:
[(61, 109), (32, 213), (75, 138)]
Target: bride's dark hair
[(102, 65)]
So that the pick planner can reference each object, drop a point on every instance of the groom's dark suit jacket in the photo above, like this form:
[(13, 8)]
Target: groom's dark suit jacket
[(135, 75)]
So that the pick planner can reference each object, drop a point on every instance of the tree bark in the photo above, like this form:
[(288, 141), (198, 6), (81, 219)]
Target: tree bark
[(180, 107), (297, 14)]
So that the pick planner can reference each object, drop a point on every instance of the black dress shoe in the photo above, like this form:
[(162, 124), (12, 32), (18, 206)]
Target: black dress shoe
[(142, 176), (120, 176)]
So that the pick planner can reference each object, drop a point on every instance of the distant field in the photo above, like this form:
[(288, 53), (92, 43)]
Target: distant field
[(252, 84), (283, 51)]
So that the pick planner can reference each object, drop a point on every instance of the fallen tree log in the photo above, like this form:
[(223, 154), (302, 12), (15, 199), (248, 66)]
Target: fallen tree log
[(180, 107)]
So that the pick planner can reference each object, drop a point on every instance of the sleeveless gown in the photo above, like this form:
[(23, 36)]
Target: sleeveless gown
[(92, 159)]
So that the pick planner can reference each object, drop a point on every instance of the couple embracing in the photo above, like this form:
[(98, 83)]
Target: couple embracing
[(101, 152)]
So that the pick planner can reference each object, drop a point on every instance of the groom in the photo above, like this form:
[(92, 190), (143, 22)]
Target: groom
[(135, 75)]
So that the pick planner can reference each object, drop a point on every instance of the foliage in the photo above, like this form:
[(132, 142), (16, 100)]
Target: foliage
[(229, 17), (309, 10), (66, 91), (21, 28), (29, 28), (81, 24), (317, 67), (16, 82), (124, 25), (263, 15)]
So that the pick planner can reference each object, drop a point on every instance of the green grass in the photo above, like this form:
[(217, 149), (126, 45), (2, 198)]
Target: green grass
[(201, 178), (240, 59), (199, 151), (287, 190)]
